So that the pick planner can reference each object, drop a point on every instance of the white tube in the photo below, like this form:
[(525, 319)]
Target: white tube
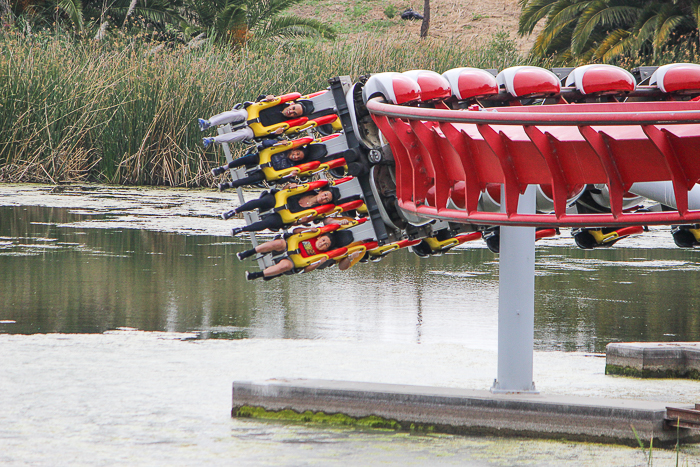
[(543, 202), (603, 198), (662, 192)]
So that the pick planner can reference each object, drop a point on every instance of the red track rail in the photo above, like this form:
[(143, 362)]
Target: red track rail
[(442, 154)]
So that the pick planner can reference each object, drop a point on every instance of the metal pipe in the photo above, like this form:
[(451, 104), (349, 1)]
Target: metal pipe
[(662, 192), (553, 115)]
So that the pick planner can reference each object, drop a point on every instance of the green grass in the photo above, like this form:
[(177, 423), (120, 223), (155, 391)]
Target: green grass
[(121, 113)]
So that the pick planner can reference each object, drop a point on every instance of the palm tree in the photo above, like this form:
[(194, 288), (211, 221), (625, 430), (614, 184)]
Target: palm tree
[(44, 13), (582, 30), (81, 14), (237, 21), (658, 26)]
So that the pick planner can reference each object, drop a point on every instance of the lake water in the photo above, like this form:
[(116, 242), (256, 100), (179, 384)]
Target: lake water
[(125, 317)]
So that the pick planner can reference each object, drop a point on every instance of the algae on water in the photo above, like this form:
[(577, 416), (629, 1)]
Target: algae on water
[(320, 418)]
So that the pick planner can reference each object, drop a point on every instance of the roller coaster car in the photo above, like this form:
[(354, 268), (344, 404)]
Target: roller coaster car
[(379, 252), (300, 261), (470, 84), (396, 88), (322, 114), (596, 199), (587, 238), (434, 88), (528, 82), (600, 80), (315, 149), (434, 246), (686, 236), (347, 187), (678, 78), (492, 236)]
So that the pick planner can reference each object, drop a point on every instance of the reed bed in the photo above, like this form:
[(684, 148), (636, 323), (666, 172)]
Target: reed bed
[(124, 112)]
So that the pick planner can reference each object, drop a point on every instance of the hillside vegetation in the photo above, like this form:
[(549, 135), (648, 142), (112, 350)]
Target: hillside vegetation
[(124, 111), (110, 92)]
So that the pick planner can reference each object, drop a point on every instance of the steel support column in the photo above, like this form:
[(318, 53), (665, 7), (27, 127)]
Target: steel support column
[(516, 303)]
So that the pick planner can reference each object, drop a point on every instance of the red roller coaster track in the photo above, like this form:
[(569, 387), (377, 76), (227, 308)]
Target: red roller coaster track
[(443, 154)]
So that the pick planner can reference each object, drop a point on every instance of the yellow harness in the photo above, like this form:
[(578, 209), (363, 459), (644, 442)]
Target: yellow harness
[(294, 245), (324, 210), (305, 169), (293, 125)]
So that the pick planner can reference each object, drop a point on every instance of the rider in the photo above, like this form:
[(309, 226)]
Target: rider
[(295, 203), (286, 160), (279, 161), (309, 247), (268, 117)]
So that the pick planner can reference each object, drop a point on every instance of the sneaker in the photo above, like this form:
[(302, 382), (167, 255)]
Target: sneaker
[(228, 214), (236, 231), (254, 275), (207, 142), (218, 171), (241, 255), (224, 186), (203, 124)]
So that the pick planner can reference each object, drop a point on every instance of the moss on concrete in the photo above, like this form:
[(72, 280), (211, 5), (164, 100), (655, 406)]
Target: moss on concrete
[(322, 418), (635, 373)]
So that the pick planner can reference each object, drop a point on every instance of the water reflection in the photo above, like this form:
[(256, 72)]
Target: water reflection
[(55, 277)]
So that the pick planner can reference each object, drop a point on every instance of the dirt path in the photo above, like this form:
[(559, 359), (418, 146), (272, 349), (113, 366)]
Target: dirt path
[(466, 21)]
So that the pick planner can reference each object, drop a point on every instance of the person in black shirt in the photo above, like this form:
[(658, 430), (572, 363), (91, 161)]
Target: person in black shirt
[(279, 161), (267, 117), (273, 221)]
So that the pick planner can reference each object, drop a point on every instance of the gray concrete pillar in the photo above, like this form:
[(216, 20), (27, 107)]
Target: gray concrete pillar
[(516, 303)]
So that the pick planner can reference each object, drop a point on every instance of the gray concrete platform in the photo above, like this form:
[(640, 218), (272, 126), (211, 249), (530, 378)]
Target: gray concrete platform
[(654, 359), (465, 411)]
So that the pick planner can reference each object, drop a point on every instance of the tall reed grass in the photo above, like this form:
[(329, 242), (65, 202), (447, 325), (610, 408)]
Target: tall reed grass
[(124, 112)]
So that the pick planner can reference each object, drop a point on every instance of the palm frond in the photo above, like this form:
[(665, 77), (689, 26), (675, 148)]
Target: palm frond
[(295, 26), (613, 45), (157, 15), (600, 15), (665, 29), (259, 11), (695, 11), (532, 13), (646, 32), (74, 10), (561, 18), (586, 56), (232, 16), (553, 32), (565, 11)]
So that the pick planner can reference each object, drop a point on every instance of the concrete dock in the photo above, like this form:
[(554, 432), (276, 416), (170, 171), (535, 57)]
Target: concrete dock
[(654, 359), (464, 411)]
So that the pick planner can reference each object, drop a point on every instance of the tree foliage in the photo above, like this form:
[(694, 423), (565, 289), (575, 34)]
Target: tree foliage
[(237, 21), (230, 21), (578, 31)]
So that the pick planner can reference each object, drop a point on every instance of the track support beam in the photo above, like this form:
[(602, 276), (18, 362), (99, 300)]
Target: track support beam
[(516, 303)]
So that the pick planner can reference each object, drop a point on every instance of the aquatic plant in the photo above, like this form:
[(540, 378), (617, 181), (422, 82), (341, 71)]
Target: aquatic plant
[(319, 418), (123, 111), (648, 455)]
